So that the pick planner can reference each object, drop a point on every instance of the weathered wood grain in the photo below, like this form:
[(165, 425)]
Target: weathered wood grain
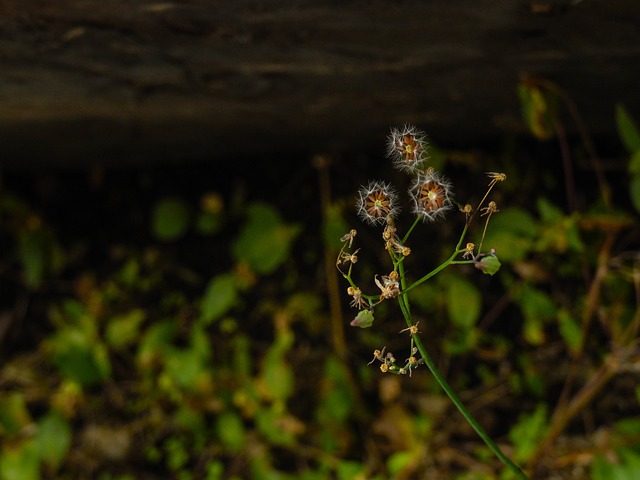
[(120, 81)]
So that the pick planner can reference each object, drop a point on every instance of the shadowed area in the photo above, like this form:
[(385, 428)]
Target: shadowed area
[(128, 82)]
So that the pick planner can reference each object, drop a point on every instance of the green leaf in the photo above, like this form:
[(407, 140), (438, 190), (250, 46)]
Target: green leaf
[(219, 297), (37, 250), (176, 452), (268, 422), (462, 341), (489, 264), (533, 331), (548, 211), (364, 319), (536, 303), (230, 430), (242, 357), (277, 374), (634, 163), (626, 430), (170, 219), (528, 432), (337, 401), (13, 414), (569, 330), (631, 460), (512, 233), (400, 460), (627, 129), (80, 357), (53, 439), (186, 368), (463, 302), (627, 466), (602, 469), (537, 307), (200, 342), (265, 240), (634, 192), (208, 223), (156, 342), (334, 226), (348, 470), (20, 462), (537, 110), (215, 470), (122, 330), (191, 419), (559, 233)]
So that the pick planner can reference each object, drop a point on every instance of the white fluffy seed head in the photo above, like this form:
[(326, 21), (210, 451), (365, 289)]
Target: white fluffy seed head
[(431, 196), (376, 202)]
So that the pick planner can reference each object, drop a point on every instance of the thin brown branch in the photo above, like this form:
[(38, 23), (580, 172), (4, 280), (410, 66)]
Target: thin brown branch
[(561, 418), (321, 163)]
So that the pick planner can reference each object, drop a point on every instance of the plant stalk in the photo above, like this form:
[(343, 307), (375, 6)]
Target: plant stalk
[(403, 301)]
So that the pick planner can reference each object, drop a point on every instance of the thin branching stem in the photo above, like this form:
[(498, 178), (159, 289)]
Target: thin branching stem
[(403, 301), (415, 223), (460, 406), (439, 268)]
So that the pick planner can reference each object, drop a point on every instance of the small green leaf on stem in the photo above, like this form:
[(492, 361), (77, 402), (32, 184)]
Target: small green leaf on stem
[(364, 319), (488, 264)]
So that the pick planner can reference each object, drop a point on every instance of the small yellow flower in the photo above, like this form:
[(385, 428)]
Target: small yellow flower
[(390, 287), (346, 257), (377, 355), (489, 209), (413, 329), (468, 250), (496, 177), (348, 237), (357, 301), (389, 232)]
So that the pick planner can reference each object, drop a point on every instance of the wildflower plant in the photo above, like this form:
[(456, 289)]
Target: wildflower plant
[(431, 198)]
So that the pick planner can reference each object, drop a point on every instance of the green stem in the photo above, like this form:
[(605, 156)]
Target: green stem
[(436, 270), (463, 410), (450, 261), (404, 306), (403, 301), (458, 250), (416, 222)]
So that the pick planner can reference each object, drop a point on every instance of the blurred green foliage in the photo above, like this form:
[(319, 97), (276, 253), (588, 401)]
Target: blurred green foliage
[(223, 368), (630, 136), (170, 218)]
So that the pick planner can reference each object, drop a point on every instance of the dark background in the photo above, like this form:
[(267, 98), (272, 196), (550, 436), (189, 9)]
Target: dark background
[(122, 83), (108, 108)]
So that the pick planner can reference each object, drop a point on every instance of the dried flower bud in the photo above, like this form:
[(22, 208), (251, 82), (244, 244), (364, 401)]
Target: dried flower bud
[(376, 202), (431, 194), (407, 148)]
